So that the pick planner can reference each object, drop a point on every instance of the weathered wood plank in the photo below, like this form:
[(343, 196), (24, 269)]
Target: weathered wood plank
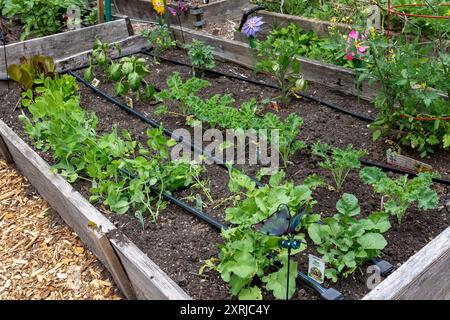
[(332, 76), (147, 279), (406, 163), (321, 28), (65, 44), (144, 274), (117, 271), (129, 45), (426, 275), (225, 9)]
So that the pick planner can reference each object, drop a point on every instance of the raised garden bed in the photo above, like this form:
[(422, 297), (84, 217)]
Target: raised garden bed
[(60, 46), (179, 244)]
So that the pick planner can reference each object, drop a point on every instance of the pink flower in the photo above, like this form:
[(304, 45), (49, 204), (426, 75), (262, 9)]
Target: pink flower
[(363, 49), (350, 56), (353, 34)]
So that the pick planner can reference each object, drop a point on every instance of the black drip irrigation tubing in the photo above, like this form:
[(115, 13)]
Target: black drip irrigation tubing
[(321, 102)]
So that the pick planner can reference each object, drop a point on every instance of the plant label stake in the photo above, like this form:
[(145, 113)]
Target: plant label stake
[(279, 224)]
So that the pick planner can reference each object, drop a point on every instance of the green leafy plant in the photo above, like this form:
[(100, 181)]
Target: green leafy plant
[(128, 74), (160, 38), (347, 242), (184, 92), (30, 69), (40, 17), (338, 161), (100, 58), (409, 101), (402, 192), (246, 254), (278, 56), (200, 56), (91, 17)]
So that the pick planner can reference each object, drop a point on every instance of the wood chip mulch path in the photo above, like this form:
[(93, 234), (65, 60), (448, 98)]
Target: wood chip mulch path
[(40, 256)]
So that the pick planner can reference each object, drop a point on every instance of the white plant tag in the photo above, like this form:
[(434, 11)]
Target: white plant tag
[(129, 102), (407, 163), (316, 268), (95, 82)]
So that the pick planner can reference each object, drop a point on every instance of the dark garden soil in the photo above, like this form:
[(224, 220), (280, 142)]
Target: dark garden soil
[(11, 29), (180, 244)]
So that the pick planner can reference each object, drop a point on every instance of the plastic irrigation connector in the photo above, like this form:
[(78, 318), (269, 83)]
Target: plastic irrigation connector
[(385, 267), (325, 293)]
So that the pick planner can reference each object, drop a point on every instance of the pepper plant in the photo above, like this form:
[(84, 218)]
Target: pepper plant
[(402, 192), (100, 58), (128, 73)]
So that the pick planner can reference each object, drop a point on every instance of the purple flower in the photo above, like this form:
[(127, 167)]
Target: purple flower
[(182, 6), (252, 26), (172, 11)]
